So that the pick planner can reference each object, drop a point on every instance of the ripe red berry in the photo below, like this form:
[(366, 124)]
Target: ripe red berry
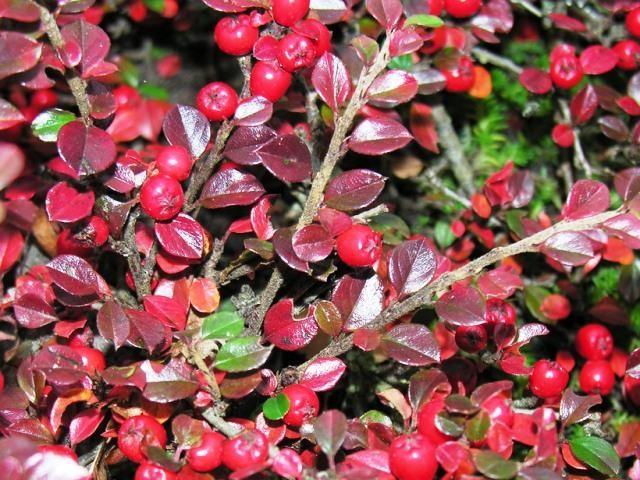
[(303, 404), (150, 471), (471, 339), (269, 80), (316, 31), (566, 72), (633, 22), (499, 312), (43, 99), (96, 233), (461, 76), (161, 197), (462, 8), (412, 457), (597, 376), (288, 12), (93, 360), (174, 161), (235, 35), (217, 101), (427, 422), (246, 449), (126, 95), (138, 433), (548, 379), (594, 342), (359, 246), (435, 7), (628, 52), (295, 52), (207, 455)]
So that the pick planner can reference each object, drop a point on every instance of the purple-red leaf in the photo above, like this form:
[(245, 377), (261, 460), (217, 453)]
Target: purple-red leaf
[(411, 266), (18, 53), (285, 331), (411, 344), (253, 111), (231, 187), (353, 189), (32, 311), (596, 60), (586, 198), (359, 301), (462, 305), (65, 204), (85, 424), (536, 81), (331, 80), (245, 143), (85, 47), (386, 12), (113, 323), (392, 88), (181, 237), (375, 136), (283, 244), (312, 243), (76, 276), (569, 248), (584, 105), (187, 127), (165, 384), (625, 226), (322, 374), (85, 149), (287, 157), (9, 115)]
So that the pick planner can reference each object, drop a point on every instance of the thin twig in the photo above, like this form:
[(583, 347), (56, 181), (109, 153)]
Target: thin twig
[(485, 56), (579, 157), (531, 8), (227, 428)]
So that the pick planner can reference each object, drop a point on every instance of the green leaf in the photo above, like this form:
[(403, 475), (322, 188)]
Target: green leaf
[(403, 62), (476, 428), (533, 297), (154, 5), (443, 235), (423, 20), (129, 72), (394, 230), (242, 354), (276, 407), (153, 91), (492, 465), (47, 125), (597, 453), (224, 324)]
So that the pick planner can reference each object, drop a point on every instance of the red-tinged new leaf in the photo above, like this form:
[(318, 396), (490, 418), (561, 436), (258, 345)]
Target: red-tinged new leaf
[(462, 305), (312, 243), (76, 276), (86, 46), (31, 429), (9, 115), (411, 266), (331, 80), (283, 244), (359, 301), (575, 408), (500, 282), (569, 248), (405, 41), (11, 245), (85, 149), (353, 189), (596, 60), (566, 22), (375, 136), (392, 88), (423, 384), (584, 105), (536, 81), (165, 384), (586, 198), (366, 339), (423, 127), (411, 344), (113, 323), (18, 53), (167, 310), (285, 331), (330, 430), (181, 237), (229, 188), (186, 126), (253, 111), (386, 12), (204, 295), (323, 373), (147, 331), (287, 157), (32, 311), (245, 143), (451, 455), (626, 227), (65, 204)]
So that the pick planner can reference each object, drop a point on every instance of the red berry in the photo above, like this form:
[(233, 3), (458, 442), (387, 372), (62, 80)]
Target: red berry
[(174, 161), (359, 246), (43, 99), (499, 409), (92, 360), (67, 243), (499, 312), (295, 52), (597, 376), (235, 35), (471, 339), (126, 95), (427, 422), (562, 50), (149, 471), (269, 80), (61, 450), (316, 31), (138, 433), (288, 12), (628, 52), (631, 389), (303, 404), (137, 11), (460, 77), (246, 449), (462, 8), (217, 101), (548, 379), (96, 233), (161, 197), (207, 455), (434, 7), (594, 342), (633, 22), (412, 457), (566, 72)]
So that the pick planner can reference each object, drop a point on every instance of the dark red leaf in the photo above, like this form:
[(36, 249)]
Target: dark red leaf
[(85, 150), (187, 127), (312, 243), (285, 331), (359, 301), (583, 105), (65, 204), (323, 373), (20, 10), (283, 244), (18, 53), (331, 80), (182, 237), (566, 22), (11, 245), (575, 408), (76, 276), (569, 248), (147, 331), (113, 323), (231, 187), (9, 115), (423, 127), (85, 424), (287, 157), (411, 266), (353, 189), (586, 198), (386, 12), (375, 136), (85, 47), (392, 88), (253, 111), (462, 305), (32, 311), (596, 60), (614, 128), (168, 383), (411, 344), (536, 81), (245, 143)]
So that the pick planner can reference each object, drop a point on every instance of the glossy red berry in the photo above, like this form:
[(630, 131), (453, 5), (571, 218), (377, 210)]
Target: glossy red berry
[(303, 404), (246, 449), (412, 457), (269, 80), (632, 22), (235, 35), (594, 342), (161, 197), (296, 51), (138, 433), (434, 7), (93, 360), (628, 52), (461, 76), (207, 455), (462, 8), (96, 232), (43, 99), (566, 72), (288, 12), (471, 339), (597, 377), (217, 101), (359, 246), (548, 379), (174, 161), (427, 422), (126, 95), (316, 31), (150, 471)]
